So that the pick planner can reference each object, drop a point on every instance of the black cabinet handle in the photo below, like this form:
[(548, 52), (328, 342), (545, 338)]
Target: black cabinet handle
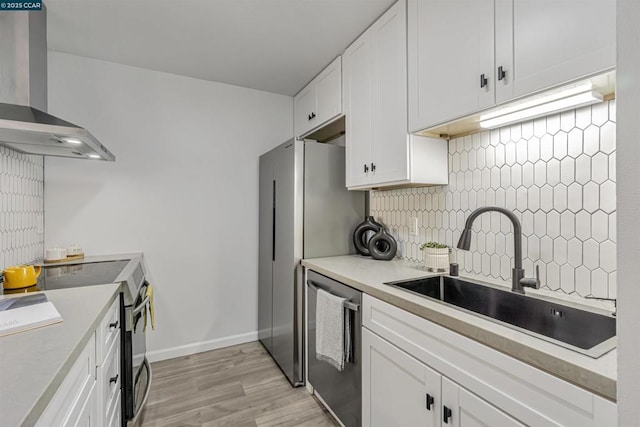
[(309, 117), (429, 401), (501, 73), (366, 168), (446, 414), (373, 167), (113, 380), (113, 325), (483, 80)]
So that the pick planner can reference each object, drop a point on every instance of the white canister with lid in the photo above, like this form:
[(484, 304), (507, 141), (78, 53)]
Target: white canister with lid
[(74, 249), (55, 253)]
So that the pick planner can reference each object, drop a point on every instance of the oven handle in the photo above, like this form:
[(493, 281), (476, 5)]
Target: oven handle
[(147, 389), (141, 306)]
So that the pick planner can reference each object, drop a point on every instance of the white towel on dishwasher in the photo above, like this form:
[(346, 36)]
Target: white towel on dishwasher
[(330, 329)]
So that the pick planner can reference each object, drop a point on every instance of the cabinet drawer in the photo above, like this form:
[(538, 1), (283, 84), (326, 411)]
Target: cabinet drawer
[(69, 401), (109, 380), (522, 391), (108, 330)]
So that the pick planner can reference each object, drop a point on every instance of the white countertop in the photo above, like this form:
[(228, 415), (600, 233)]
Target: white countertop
[(369, 276), (34, 363)]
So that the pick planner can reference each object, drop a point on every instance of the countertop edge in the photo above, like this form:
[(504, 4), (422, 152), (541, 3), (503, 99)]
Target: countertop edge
[(41, 404), (588, 380)]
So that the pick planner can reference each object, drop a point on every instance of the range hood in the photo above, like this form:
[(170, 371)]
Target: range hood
[(25, 125)]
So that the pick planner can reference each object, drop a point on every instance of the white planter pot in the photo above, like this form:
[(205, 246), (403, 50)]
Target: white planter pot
[(436, 259)]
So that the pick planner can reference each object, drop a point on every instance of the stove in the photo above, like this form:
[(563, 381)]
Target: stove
[(74, 275), (131, 273)]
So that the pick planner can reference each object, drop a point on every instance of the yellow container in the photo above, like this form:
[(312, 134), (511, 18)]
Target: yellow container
[(20, 276)]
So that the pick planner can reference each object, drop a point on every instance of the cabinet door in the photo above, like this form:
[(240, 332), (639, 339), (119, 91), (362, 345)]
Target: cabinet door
[(396, 388), (450, 46), (329, 93), (390, 148), (358, 108), (544, 43), (305, 109), (88, 416), (461, 408)]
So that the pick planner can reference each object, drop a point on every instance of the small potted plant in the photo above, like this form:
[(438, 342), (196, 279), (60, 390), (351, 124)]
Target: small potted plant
[(436, 256)]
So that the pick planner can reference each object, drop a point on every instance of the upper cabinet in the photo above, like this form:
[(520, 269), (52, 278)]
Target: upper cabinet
[(469, 55), (320, 101), (450, 60), (379, 150), (544, 44)]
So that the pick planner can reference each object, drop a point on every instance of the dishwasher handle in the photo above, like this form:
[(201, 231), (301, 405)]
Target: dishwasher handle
[(347, 304)]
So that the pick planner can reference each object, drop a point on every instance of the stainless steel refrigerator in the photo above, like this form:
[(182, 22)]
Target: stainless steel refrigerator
[(305, 212)]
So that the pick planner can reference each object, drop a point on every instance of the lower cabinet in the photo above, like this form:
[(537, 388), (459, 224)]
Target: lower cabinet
[(75, 401), (89, 396), (399, 390), (418, 373)]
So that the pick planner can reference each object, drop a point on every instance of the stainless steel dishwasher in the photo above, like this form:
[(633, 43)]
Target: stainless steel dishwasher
[(340, 390)]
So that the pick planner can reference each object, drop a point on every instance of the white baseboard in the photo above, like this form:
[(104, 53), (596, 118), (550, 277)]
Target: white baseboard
[(199, 347)]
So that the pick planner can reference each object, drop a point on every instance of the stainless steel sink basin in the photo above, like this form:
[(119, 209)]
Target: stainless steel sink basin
[(580, 330)]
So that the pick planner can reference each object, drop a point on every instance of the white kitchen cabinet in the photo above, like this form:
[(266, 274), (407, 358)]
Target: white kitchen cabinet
[(541, 44), (464, 409), (75, 400), (451, 62), (108, 363), (379, 150), (320, 101), (398, 390), (469, 55), (90, 393), (480, 385)]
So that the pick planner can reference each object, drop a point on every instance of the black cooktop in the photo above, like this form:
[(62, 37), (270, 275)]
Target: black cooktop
[(75, 275)]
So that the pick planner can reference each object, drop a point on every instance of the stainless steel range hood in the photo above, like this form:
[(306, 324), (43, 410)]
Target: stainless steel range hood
[(24, 124)]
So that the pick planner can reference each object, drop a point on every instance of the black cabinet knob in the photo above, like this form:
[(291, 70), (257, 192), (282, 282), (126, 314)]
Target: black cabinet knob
[(113, 325), (366, 168), (430, 401), (483, 80), (501, 73), (113, 380), (446, 414), (373, 167)]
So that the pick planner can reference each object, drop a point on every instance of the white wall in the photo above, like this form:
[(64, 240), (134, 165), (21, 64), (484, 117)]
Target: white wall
[(628, 96), (183, 190)]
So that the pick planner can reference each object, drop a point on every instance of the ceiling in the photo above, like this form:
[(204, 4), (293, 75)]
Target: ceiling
[(272, 45)]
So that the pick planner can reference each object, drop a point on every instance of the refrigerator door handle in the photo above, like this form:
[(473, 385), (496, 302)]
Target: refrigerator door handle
[(273, 225)]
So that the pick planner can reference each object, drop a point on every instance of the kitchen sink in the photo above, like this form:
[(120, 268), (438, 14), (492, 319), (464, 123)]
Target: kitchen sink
[(584, 331)]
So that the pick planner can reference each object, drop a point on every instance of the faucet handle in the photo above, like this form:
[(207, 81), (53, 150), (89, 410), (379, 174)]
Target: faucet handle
[(532, 282)]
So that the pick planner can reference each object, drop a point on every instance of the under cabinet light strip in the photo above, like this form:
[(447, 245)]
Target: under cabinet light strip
[(539, 100), (556, 106)]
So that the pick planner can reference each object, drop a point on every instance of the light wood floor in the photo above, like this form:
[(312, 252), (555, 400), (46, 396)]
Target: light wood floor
[(238, 386)]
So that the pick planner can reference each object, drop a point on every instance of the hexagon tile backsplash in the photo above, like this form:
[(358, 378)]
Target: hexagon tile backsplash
[(21, 207), (557, 173)]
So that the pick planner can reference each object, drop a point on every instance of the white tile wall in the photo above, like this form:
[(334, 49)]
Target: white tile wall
[(556, 173), (21, 207)]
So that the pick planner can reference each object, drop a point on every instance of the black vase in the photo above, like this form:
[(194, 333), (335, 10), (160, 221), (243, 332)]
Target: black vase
[(361, 236), (382, 245)]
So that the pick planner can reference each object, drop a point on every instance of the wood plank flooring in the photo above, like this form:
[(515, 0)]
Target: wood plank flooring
[(237, 386)]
